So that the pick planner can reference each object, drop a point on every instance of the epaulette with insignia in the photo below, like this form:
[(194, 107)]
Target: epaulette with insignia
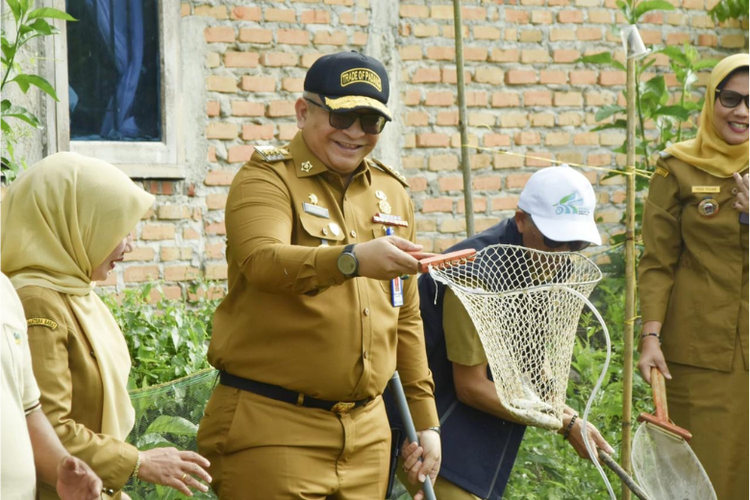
[(385, 168), (272, 153)]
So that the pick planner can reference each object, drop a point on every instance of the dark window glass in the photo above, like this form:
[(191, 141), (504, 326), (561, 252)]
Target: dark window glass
[(113, 70)]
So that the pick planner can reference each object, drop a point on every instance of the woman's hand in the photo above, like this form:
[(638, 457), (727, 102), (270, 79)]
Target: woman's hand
[(174, 468), (651, 355), (743, 192)]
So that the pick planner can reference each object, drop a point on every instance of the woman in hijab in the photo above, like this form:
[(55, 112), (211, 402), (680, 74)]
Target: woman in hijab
[(66, 222), (694, 280)]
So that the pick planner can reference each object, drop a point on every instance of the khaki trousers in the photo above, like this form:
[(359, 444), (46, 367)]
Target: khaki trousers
[(713, 406), (444, 489), (260, 448)]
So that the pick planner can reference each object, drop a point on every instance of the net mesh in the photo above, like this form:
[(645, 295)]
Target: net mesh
[(522, 305), (168, 415), (667, 468)]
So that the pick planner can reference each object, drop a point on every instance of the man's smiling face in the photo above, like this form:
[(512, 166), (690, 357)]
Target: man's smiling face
[(340, 150)]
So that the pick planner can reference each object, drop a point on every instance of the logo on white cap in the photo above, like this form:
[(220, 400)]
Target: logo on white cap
[(571, 204)]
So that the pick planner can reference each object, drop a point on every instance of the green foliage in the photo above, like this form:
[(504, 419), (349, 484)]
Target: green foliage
[(170, 381), (167, 340), (729, 9), (547, 467), (168, 415), (28, 24)]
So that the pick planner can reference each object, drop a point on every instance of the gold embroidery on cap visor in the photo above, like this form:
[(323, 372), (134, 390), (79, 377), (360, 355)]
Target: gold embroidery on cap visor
[(361, 75), (357, 101)]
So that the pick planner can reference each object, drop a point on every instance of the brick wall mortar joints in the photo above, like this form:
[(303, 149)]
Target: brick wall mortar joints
[(494, 16)]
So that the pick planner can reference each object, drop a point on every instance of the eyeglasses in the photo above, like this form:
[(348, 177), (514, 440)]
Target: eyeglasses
[(371, 123), (573, 246), (732, 99)]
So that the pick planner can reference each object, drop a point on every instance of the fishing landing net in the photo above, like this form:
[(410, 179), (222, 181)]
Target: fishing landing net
[(525, 305), (168, 415)]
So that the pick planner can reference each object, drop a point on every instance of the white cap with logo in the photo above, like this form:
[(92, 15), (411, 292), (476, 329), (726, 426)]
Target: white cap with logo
[(561, 203)]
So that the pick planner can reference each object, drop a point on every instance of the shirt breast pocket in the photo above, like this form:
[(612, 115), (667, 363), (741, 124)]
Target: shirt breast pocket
[(317, 231)]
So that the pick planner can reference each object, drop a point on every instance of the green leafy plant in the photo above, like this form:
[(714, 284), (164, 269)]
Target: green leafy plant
[(729, 9), (167, 340), (170, 380), (28, 24)]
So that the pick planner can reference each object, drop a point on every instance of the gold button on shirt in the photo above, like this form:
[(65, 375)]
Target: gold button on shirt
[(290, 317)]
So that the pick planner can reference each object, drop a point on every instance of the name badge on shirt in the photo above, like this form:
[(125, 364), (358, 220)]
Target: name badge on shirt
[(397, 290), (706, 189), (315, 210)]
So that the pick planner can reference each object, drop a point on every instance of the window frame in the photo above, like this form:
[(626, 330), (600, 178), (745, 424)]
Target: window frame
[(142, 160)]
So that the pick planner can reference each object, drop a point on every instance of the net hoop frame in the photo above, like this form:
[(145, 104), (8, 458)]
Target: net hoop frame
[(552, 422)]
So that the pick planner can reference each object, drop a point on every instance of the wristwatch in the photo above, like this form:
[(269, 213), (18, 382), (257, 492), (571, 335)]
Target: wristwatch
[(347, 262)]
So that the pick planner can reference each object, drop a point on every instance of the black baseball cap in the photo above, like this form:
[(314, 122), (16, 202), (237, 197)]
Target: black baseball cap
[(349, 81)]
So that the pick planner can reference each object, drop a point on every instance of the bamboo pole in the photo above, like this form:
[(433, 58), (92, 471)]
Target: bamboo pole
[(465, 163), (627, 385)]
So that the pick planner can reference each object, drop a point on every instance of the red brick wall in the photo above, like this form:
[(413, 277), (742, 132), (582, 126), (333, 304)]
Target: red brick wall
[(525, 93)]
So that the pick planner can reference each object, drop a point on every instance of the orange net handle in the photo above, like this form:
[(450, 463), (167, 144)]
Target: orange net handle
[(447, 259)]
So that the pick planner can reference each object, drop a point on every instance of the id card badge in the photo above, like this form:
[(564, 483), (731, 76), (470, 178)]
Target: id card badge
[(743, 218), (397, 290)]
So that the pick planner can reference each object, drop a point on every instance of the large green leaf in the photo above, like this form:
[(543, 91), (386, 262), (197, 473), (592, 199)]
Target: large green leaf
[(25, 117), (15, 8), (705, 64), (676, 111), (618, 124), (608, 111), (50, 13), (602, 58), (172, 425), (24, 80), (43, 27), (650, 5), (153, 440), (675, 53)]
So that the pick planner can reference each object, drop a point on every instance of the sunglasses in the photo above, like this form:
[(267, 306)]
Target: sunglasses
[(371, 123), (573, 246), (732, 99)]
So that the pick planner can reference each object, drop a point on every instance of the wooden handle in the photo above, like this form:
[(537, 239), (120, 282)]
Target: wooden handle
[(451, 258), (659, 392)]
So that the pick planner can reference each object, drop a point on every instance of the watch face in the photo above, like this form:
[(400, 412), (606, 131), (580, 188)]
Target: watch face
[(347, 264)]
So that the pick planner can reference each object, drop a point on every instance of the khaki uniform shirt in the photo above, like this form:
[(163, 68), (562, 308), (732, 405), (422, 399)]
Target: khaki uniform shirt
[(291, 318), (19, 397), (461, 337), (694, 271), (71, 387)]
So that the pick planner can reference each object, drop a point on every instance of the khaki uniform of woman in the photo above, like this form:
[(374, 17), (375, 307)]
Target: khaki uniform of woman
[(61, 221), (694, 281)]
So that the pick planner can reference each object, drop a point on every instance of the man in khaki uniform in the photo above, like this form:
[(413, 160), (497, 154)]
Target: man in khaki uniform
[(316, 319)]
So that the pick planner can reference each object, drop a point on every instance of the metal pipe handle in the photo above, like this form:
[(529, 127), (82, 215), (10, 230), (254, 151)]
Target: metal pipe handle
[(411, 432)]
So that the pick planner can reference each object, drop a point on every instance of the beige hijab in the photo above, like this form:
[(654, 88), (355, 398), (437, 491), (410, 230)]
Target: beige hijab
[(708, 151), (60, 220)]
